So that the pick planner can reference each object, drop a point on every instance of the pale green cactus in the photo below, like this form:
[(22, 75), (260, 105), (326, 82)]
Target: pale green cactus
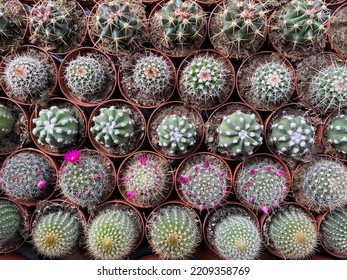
[(336, 133), (6, 121)]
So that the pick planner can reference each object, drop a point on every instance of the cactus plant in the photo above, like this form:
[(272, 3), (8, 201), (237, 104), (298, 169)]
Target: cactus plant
[(240, 133), (6, 121), (5, 24), (292, 136), (335, 133), (173, 231), (55, 127)]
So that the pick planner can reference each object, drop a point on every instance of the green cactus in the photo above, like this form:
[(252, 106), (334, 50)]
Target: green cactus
[(55, 127), (336, 133), (292, 136), (176, 134), (11, 222), (173, 231), (240, 133), (6, 121), (113, 127)]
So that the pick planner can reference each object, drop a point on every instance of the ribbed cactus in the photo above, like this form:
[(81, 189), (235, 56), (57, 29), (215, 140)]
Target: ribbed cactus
[(176, 134), (333, 231), (113, 127), (336, 133), (240, 133), (55, 127), (6, 121), (292, 136), (173, 232), (291, 232)]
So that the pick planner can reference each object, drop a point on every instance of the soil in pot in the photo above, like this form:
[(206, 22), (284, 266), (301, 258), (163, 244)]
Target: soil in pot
[(337, 31)]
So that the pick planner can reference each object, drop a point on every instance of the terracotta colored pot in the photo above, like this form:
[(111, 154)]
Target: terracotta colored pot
[(65, 89)]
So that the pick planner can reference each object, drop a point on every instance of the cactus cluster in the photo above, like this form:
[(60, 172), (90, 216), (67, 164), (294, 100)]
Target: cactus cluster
[(292, 232), (112, 126), (292, 136), (6, 121), (173, 231), (176, 134), (55, 127), (336, 133), (240, 133)]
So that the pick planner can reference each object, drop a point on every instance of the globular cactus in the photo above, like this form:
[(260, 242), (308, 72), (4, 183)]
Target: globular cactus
[(336, 133), (176, 134), (333, 231), (292, 136), (113, 127), (5, 24), (55, 127), (113, 234), (292, 232), (173, 232), (240, 133), (6, 121)]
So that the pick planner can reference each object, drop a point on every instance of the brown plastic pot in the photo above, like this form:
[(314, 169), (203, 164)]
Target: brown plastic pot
[(65, 89), (141, 130)]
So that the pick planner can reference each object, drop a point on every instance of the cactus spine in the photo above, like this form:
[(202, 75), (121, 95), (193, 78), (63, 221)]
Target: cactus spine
[(336, 133), (6, 121)]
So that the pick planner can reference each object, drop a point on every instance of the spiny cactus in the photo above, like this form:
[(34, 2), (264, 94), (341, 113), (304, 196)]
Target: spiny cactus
[(336, 133), (173, 232), (292, 136), (6, 121), (112, 127), (55, 127), (292, 232), (176, 134), (28, 176), (5, 24), (240, 133), (333, 231)]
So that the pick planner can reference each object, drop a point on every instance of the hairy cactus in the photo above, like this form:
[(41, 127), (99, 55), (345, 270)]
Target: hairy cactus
[(173, 232), (112, 127), (336, 133), (292, 232), (292, 136), (176, 134), (28, 176), (55, 127), (333, 231), (322, 186), (240, 133), (6, 121), (5, 24)]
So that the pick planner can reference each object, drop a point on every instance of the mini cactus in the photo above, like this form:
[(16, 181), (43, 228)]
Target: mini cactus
[(173, 231), (113, 127), (291, 232), (176, 134), (6, 121), (292, 136), (55, 127), (240, 133), (336, 133)]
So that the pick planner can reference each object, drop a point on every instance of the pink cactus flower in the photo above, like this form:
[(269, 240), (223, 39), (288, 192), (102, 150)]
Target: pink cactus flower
[(143, 160), (225, 192), (265, 210), (77, 194), (245, 188), (41, 184), (249, 198), (200, 207), (268, 168), (183, 180), (87, 192), (279, 172), (196, 169), (125, 178), (222, 174), (72, 156), (96, 176), (131, 195), (206, 164), (252, 172), (188, 193)]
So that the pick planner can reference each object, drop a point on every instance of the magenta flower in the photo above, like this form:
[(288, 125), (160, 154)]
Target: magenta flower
[(212, 170), (222, 174), (268, 168), (41, 184), (200, 207), (249, 198), (265, 210), (77, 194), (196, 169), (253, 172), (248, 183), (125, 178), (183, 180), (279, 172), (188, 193), (72, 156), (245, 188), (206, 164), (87, 192), (225, 192), (143, 160), (131, 195), (96, 176)]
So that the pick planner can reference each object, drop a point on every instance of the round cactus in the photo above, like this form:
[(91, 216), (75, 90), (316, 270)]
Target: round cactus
[(292, 136), (173, 231), (6, 121), (55, 127), (336, 133), (240, 133)]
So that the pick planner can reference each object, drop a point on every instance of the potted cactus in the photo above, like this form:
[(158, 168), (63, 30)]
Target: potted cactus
[(58, 26), (118, 27), (238, 28), (178, 28), (205, 79), (114, 231), (147, 78), (28, 75), (337, 29), (266, 80), (145, 179), (28, 176), (116, 128), (203, 181), (87, 76), (173, 231)]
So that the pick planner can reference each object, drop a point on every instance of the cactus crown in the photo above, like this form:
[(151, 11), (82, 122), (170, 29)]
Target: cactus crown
[(173, 232), (6, 121), (292, 136), (336, 133), (181, 21), (240, 133), (55, 127), (113, 127)]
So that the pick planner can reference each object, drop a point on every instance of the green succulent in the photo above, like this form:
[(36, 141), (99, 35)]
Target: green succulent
[(336, 133)]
